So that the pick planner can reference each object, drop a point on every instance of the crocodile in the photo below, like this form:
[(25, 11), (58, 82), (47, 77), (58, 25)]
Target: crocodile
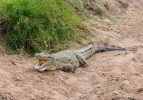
[(70, 60)]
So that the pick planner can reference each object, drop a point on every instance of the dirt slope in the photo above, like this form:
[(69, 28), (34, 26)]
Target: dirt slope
[(113, 75)]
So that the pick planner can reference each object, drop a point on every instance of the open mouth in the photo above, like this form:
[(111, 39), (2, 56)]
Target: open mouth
[(42, 61)]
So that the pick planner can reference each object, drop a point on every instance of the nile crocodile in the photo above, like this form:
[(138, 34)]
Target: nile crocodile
[(69, 60)]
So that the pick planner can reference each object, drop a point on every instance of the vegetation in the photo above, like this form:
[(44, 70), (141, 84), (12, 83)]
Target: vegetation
[(49, 25), (85, 8), (38, 24)]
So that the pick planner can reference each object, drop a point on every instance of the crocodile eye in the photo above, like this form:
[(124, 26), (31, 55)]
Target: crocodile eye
[(50, 57)]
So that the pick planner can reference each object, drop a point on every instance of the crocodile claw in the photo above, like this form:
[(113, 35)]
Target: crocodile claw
[(85, 65)]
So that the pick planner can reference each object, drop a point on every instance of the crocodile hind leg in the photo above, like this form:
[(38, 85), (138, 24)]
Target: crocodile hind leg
[(82, 61)]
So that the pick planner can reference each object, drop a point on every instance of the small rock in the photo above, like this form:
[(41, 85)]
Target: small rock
[(126, 86)]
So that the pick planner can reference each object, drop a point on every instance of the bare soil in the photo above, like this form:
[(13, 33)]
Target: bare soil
[(115, 75)]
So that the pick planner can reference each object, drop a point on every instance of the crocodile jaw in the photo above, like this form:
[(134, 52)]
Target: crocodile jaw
[(40, 68), (51, 67)]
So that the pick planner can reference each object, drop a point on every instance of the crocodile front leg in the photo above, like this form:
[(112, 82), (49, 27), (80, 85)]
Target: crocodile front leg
[(82, 61), (68, 68)]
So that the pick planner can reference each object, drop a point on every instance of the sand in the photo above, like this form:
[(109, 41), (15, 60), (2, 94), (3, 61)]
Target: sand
[(112, 75)]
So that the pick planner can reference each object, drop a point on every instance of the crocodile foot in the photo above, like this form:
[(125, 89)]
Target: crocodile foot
[(73, 69), (85, 65)]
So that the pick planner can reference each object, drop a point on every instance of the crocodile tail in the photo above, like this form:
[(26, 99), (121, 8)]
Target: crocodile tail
[(91, 49), (112, 47)]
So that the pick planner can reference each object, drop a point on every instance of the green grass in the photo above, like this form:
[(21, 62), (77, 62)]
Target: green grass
[(38, 25)]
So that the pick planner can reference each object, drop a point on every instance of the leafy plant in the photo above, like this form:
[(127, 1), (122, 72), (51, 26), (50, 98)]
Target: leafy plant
[(39, 24)]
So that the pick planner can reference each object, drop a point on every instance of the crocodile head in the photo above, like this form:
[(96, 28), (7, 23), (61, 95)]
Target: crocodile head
[(44, 60)]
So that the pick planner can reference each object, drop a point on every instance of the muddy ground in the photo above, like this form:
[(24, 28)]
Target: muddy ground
[(116, 75)]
